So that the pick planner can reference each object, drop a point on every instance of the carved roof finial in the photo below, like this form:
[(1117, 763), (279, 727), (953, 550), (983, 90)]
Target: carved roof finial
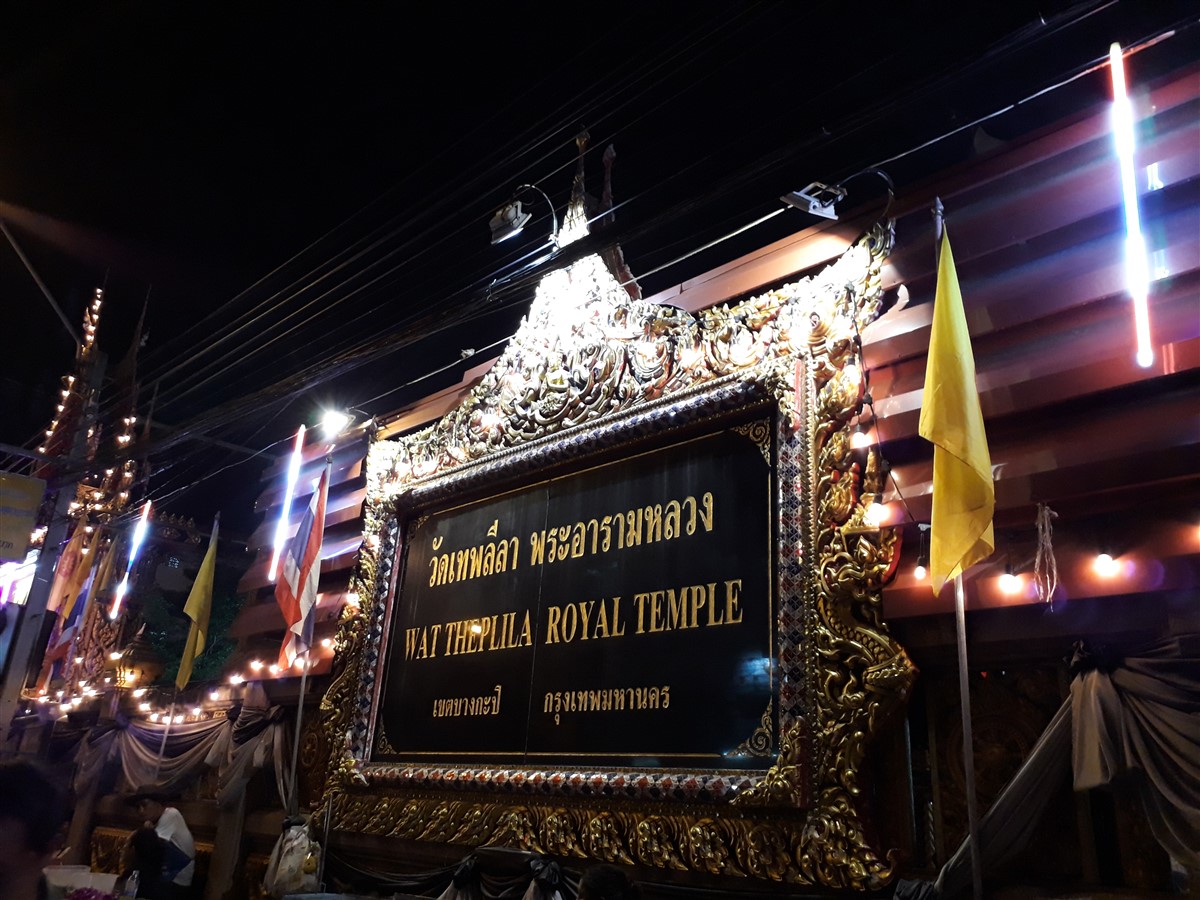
[(575, 222)]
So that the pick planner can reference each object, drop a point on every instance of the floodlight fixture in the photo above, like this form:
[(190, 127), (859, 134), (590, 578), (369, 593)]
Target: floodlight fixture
[(817, 199), (336, 422), (510, 218)]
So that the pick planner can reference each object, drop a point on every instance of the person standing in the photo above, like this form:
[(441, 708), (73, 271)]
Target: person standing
[(179, 848)]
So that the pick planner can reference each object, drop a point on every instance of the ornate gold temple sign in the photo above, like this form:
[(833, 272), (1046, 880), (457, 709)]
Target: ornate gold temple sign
[(625, 612), (535, 663)]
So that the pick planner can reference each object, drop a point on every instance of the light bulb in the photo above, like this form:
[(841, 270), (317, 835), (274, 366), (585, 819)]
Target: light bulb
[(876, 514), (1105, 566)]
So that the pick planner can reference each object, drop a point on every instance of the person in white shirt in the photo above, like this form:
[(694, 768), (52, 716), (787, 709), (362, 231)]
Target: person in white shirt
[(179, 848)]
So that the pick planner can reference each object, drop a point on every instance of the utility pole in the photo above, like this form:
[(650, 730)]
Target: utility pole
[(26, 654)]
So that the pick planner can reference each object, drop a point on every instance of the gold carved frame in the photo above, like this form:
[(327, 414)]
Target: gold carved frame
[(589, 365)]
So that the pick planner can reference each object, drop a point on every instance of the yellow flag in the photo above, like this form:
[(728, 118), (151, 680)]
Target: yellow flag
[(964, 497), (198, 608), (104, 576), (79, 576)]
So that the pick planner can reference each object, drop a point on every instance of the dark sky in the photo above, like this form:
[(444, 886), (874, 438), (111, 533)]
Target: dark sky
[(295, 179)]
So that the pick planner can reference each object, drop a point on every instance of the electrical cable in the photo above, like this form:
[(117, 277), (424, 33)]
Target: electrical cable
[(219, 360), (369, 349), (446, 201)]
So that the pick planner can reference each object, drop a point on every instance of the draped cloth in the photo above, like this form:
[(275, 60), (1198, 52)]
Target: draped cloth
[(1141, 718), (488, 873), (1135, 717), (237, 747), (545, 881)]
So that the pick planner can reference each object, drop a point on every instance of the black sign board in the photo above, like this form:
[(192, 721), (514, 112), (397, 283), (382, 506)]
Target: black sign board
[(621, 614)]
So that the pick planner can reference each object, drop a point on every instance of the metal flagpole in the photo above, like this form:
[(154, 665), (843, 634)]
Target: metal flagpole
[(294, 788), (162, 747), (964, 701), (964, 685), (325, 842)]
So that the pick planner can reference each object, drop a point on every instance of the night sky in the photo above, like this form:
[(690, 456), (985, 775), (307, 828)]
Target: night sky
[(297, 179)]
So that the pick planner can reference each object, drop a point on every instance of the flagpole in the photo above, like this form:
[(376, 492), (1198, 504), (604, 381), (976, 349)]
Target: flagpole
[(964, 701), (325, 842), (297, 592), (294, 788), (162, 747), (964, 682)]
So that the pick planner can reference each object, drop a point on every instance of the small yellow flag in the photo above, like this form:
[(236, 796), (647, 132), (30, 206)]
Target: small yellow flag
[(198, 608), (964, 497), (104, 576)]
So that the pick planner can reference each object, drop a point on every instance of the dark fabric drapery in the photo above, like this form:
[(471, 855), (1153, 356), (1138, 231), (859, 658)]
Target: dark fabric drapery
[(1135, 715), (491, 873), (1140, 718), (236, 747)]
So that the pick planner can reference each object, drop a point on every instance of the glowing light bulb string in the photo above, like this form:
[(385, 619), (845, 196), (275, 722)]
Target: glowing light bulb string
[(869, 402)]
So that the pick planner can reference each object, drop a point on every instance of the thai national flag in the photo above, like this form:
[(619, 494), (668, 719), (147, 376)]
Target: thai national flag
[(296, 589)]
